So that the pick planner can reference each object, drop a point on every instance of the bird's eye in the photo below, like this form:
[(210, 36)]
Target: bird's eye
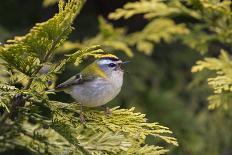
[(112, 65)]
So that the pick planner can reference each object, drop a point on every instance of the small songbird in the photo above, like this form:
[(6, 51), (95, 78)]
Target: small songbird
[(97, 84)]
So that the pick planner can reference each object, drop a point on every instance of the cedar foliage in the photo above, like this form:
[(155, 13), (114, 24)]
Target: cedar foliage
[(221, 82), (212, 27), (30, 120)]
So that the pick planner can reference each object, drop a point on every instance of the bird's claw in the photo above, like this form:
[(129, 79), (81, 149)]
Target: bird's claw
[(107, 111), (82, 118)]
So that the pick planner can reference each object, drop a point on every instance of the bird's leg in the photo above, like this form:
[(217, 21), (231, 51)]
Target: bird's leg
[(107, 110), (82, 118)]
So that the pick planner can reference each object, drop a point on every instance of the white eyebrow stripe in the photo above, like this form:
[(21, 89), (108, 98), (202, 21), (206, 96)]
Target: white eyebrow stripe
[(103, 62), (107, 61)]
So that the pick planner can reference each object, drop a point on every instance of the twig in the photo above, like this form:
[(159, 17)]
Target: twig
[(16, 101), (45, 59)]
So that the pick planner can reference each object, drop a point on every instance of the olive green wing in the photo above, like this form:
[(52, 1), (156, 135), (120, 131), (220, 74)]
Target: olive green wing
[(77, 79), (83, 77)]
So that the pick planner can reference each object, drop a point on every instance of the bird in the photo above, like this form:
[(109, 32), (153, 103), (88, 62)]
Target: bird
[(97, 84)]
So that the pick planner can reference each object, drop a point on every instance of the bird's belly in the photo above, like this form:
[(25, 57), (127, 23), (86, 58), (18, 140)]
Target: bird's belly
[(95, 93)]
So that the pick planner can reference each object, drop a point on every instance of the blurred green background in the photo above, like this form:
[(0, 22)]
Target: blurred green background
[(161, 85)]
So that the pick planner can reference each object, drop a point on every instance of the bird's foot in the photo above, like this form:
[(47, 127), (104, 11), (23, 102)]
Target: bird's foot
[(82, 118), (107, 111)]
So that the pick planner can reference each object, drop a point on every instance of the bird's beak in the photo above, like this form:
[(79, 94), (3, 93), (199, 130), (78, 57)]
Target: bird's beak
[(125, 62), (121, 65)]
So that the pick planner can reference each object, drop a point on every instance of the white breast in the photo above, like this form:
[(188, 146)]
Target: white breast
[(98, 92)]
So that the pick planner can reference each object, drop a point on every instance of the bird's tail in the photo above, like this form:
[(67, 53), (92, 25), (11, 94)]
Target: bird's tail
[(51, 90), (56, 89)]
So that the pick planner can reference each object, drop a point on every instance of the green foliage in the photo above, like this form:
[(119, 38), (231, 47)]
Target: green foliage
[(207, 29), (211, 16), (155, 85), (3, 77), (38, 45), (47, 3), (32, 121), (110, 38), (78, 56), (215, 18), (151, 9), (6, 93), (154, 32), (131, 130), (159, 27), (222, 82), (213, 25), (116, 39)]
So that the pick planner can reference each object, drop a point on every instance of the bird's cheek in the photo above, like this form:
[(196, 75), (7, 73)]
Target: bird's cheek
[(119, 69), (116, 68)]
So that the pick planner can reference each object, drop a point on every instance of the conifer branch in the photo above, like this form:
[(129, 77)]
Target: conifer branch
[(36, 31), (45, 59), (50, 127), (222, 82)]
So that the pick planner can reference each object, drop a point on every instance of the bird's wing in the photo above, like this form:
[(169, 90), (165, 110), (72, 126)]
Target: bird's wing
[(77, 79)]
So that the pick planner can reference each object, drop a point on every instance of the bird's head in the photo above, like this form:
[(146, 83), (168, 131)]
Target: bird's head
[(110, 63), (106, 66)]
